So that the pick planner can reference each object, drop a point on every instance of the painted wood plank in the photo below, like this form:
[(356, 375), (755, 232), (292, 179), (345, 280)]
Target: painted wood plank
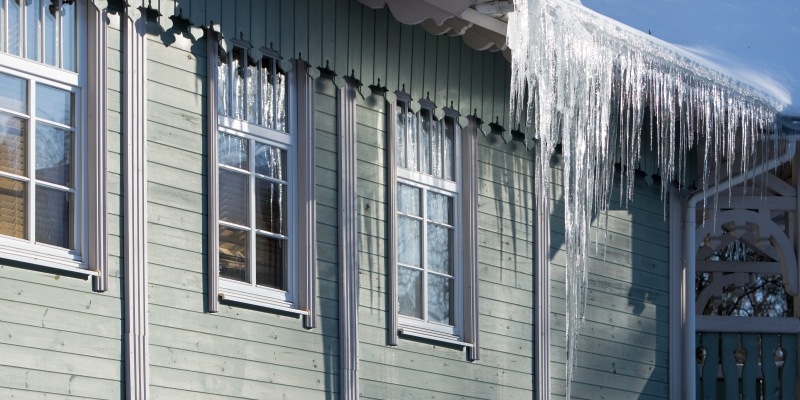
[(272, 22), (311, 377), (228, 386), (57, 362), (404, 59), (354, 41), (285, 45), (416, 57), (429, 51), (314, 53), (329, 31), (366, 59), (380, 64), (339, 63), (25, 336), (20, 383), (441, 80), (394, 40), (256, 17)]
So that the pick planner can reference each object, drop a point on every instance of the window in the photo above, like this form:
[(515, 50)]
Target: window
[(44, 137), (257, 203), (427, 202), (433, 228)]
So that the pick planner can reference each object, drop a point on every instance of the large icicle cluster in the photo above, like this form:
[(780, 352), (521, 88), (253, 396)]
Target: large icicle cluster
[(590, 84)]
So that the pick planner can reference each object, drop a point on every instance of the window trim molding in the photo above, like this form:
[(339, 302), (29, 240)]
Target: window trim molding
[(348, 238), (301, 147), (135, 269), (97, 193), (541, 278), (467, 328), (212, 49), (90, 257)]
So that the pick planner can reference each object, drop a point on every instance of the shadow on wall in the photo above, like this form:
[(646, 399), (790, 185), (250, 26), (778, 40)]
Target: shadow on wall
[(624, 344)]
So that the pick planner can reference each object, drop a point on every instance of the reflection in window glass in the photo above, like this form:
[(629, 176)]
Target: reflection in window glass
[(256, 89)]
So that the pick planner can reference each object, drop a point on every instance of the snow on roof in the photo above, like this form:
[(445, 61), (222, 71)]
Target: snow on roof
[(754, 42)]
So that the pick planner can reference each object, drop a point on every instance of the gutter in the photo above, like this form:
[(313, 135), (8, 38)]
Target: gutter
[(690, 253)]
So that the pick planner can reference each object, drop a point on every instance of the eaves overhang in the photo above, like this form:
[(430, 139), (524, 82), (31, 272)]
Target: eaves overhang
[(451, 17)]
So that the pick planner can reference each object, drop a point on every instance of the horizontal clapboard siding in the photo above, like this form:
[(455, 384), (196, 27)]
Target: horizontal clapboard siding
[(58, 339), (623, 347), (415, 369), (349, 37), (239, 352)]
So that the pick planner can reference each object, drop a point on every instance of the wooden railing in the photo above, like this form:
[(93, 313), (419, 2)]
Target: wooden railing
[(735, 366)]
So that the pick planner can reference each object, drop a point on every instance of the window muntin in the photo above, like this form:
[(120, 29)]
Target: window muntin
[(39, 143), (255, 179), (428, 272), (44, 31), (425, 254)]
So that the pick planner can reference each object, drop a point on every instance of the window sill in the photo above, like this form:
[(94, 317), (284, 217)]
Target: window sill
[(259, 301), (434, 336), (40, 259)]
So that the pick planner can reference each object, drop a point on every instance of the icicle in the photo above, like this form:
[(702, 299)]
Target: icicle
[(586, 82)]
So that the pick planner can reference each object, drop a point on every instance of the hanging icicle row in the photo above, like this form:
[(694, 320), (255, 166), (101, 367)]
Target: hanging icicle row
[(589, 85)]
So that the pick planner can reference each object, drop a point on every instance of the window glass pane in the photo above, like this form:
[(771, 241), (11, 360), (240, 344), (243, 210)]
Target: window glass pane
[(412, 141), (439, 207), (436, 149), (409, 234), (440, 241), (449, 135), (33, 10), (409, 292), (233, 254), (12, 208), (408, 199), (238, 82), (440, 290), (13, 94), (402, 120), (52, 217), (280, 101), (425, 141), (271, 208), (233, 197), (268, 94), (270, 261), (271, 161), (12, 144), (54, 104), (14, 27), (252, 92), (68, 38), (222, 86), (233, 151), (50, 41), (53, 155)]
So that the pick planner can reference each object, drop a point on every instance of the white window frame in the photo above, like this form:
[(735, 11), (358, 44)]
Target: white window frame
[(88, 227), (270, 297), (407, 325), (297, 141)]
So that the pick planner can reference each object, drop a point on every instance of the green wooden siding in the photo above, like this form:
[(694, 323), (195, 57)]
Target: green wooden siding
[(58, 339), (415, 369), (351, 38), (623, 347), (239, 352)]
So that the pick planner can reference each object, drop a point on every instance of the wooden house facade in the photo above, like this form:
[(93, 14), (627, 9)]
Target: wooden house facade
[(300, 199)]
